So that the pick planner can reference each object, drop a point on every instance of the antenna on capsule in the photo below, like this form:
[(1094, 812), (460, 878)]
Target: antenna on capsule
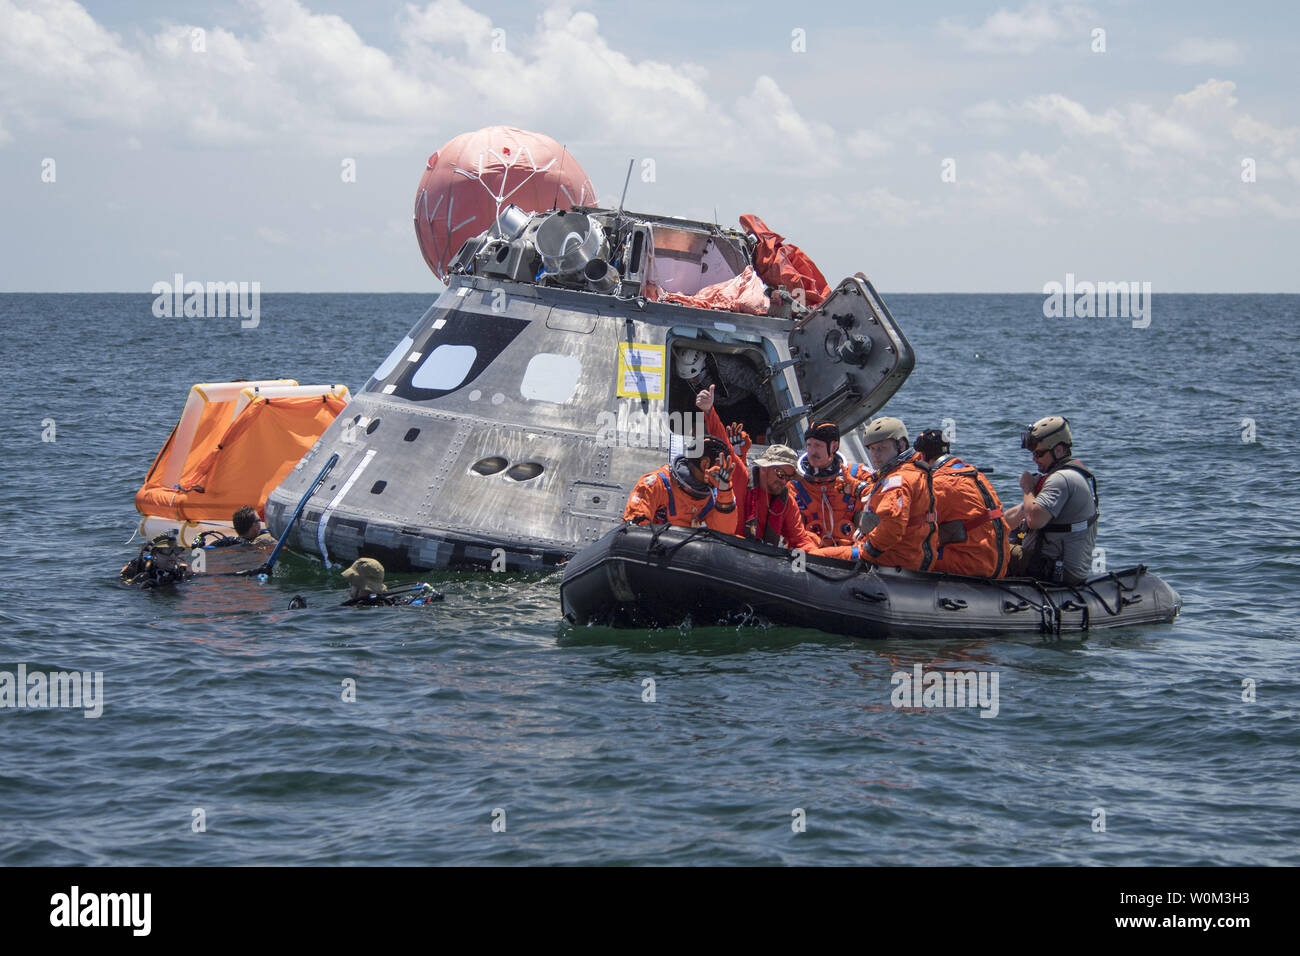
[(618, 218), (559, 176)]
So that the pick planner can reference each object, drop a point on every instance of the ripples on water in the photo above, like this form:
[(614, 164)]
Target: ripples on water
[(217, 697)]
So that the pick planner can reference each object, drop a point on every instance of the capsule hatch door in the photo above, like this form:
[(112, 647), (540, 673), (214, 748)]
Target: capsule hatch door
[(849, 355)]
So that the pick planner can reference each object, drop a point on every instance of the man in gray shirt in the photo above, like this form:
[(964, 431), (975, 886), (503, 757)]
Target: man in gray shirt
[(1060, 508)]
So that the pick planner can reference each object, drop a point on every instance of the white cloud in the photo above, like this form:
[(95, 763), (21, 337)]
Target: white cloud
[(1181, 160), (308, 79), (866, 144), (1272, 206), (785, 134), (55, 60), (1034, 26), (1194, 51), (1073, 118), (864, 208), (885, 208), (1212, 107), (1196, 123), (1037, 186), (892, 130)]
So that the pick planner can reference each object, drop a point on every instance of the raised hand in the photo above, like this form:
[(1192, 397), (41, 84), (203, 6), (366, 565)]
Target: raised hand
[(704, 400), (720, 474), (739, 438)]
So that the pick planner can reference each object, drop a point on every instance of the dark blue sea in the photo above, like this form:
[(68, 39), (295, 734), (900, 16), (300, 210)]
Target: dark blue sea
[(222, 707)]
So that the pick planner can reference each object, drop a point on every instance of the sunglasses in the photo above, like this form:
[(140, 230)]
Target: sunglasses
[(1042, 453), (783, 474)]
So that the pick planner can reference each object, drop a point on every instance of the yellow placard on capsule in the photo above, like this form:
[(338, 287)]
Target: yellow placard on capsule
[(641, 370)]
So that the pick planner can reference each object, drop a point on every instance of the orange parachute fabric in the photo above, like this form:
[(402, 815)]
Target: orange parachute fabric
[(229, 467), (783, 263), (743, 293)]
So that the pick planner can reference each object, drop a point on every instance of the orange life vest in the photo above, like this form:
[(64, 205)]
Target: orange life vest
[(972, 538), (902, 501), (658, 498)]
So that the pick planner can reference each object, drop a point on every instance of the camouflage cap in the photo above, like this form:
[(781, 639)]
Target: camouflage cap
[(777, 455)]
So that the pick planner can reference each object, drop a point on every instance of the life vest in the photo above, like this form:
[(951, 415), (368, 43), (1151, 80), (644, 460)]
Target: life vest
[(1062, 527), (972, 537), (1034, 564), (654, 499), (758, 509), (912, 548), (665, 479), (829, 505)]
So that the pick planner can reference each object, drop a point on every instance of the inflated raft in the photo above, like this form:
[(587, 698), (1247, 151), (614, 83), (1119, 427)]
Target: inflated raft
[(638, 576), (234, 443)]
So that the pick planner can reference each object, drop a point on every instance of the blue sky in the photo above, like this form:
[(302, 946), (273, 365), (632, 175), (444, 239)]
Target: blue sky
[(224, 164)]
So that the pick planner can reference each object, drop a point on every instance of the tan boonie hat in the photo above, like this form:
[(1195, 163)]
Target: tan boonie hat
[(368, 573), (777, 455)]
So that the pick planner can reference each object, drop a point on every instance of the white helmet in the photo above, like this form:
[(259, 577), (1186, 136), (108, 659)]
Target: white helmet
[(689, 363)]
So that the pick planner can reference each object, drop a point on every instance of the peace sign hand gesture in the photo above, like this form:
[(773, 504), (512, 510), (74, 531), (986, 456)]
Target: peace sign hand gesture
[(720, 474)]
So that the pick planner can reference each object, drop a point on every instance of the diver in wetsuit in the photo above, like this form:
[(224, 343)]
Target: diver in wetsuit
[(249, 527), (366, 588), (158, 564), (248, 530)]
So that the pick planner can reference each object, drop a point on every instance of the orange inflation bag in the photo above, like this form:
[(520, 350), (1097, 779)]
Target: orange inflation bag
[(783, 263), (235, 442)]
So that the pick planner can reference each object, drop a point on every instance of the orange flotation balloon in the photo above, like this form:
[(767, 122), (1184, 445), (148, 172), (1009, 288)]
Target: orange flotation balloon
[(468, 182)]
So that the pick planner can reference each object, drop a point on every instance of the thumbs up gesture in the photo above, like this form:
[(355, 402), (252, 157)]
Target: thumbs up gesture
[(704, 400)]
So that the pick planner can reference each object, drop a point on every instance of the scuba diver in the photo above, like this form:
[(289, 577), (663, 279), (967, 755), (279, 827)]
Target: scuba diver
[(366, 588), (158, 564), (828, 490), (249, 527), (1059, 513), (972, 538), (248, 530)]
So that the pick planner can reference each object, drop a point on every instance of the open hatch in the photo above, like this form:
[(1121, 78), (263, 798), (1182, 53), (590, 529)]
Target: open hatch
[(849, 355)]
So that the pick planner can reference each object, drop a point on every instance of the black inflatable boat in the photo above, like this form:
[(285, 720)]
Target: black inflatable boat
[(638, 576)]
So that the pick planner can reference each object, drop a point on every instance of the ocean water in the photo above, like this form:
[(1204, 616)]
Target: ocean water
[(219, 705)]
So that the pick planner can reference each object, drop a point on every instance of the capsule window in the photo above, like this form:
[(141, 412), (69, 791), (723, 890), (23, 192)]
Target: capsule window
[(489, 466), (395, 356), (445, 368), (378, 487), (551, 377), (411, 434), (524, 471)]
